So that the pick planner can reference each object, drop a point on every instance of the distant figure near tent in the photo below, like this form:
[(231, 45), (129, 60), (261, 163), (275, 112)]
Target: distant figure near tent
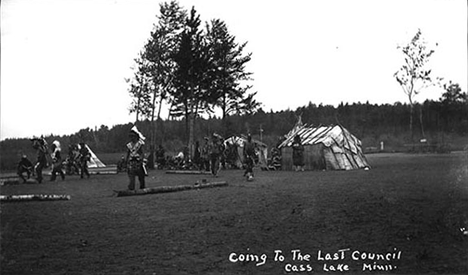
[(84, 157), (72, 161), (325, 148), (298, 154), (56, 161)]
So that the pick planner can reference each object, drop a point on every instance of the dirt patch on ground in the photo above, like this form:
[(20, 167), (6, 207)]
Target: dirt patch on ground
[(409, 208)]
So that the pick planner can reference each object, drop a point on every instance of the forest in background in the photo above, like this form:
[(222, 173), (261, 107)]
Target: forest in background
[(444, 122)]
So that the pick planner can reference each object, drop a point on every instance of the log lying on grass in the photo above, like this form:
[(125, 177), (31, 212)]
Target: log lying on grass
[(13, 198), (188, 172), (166, 189), (14, 181)]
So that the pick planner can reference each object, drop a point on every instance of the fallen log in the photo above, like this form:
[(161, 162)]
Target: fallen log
[(166, 189), (108, 170), (188, 172), (16, 198), (14, 181)]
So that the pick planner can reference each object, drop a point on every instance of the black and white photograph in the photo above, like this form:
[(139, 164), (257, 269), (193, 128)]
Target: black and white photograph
[(234, 137)]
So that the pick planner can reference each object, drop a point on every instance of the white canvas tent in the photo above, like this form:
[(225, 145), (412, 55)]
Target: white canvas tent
[(325, 148), (94, 161)]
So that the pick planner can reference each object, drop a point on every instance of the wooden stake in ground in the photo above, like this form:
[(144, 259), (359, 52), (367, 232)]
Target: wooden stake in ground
[(166, 189), (18, 198)]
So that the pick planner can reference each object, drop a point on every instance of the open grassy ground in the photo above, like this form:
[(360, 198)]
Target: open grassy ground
[(411, 206)]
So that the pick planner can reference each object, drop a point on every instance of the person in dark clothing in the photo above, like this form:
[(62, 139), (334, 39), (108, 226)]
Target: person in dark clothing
[(249, 157), (215, 151), (121, 164), (298, 154), (161, 157), (56, 161), (197, 155), (72, 161), (84, 157), (41, 148), (24, 166), (205, 156)]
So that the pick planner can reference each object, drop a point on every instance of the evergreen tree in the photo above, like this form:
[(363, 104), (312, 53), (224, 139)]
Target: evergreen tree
[(189, 98), (227, 72), (160, 65)]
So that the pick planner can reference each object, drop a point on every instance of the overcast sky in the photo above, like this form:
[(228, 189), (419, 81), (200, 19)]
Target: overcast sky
[(64, 62)]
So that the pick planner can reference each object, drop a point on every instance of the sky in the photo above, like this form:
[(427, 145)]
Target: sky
[(64, 62)]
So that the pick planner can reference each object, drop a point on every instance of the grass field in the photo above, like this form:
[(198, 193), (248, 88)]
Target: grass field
[(407, 211)]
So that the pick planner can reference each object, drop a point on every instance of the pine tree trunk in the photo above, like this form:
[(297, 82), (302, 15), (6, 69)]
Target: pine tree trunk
[(411, 121), (191, 134), (224, 113), (158, 119), (152, 135), (421, 121)]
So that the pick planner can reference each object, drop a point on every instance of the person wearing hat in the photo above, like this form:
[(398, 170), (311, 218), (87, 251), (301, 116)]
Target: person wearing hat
[(56, 161), (24, 166), (135, 159)]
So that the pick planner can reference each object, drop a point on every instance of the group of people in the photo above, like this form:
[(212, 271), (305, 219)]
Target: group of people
[(53, 157), (210, 156), (207, 157), (213, 157)]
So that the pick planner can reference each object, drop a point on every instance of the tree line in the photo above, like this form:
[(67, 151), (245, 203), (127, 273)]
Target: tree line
[(442, 121)]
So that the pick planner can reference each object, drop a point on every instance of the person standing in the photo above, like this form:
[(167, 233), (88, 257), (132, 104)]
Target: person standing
[(136, 159), (215, 154), (161, 157), (205, 155), (84, 157), (298, 154), (24, 166), (41, 148), (56, 161), (249, 157), (197, 155)]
